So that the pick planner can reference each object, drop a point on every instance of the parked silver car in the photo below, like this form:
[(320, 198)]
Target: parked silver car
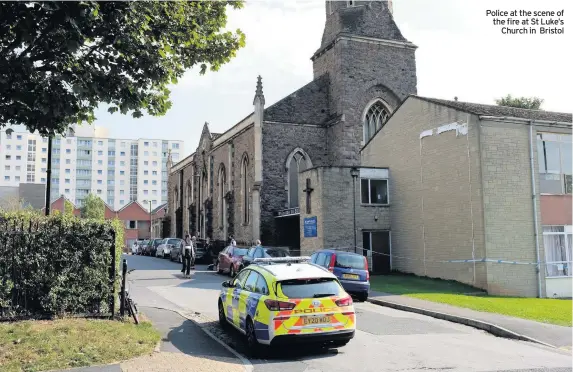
[(165, 247)]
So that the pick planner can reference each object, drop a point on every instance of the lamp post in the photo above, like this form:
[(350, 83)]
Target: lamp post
[(354, 172), (150, 220)]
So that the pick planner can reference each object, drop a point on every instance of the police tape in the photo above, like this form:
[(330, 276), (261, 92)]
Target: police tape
[(361, 250)]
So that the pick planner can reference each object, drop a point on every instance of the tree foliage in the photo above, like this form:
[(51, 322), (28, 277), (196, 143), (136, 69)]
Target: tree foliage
[(68, 208), (60, 60), (93, 207), (532, 103)]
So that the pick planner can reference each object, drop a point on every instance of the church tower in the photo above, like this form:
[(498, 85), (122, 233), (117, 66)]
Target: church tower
[(371, 69)]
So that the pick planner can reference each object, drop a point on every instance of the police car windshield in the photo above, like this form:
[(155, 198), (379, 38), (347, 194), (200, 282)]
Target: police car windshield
[(310, 288)]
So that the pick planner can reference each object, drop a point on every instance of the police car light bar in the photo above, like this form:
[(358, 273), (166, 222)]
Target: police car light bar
[(282, 259)]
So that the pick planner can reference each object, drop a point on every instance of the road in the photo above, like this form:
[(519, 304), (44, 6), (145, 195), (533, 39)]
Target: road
[(386, 339)]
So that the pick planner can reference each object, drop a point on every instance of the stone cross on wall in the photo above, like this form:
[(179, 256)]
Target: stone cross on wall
[(308, 190)]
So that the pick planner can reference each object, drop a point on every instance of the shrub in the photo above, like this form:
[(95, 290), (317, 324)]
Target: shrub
[(56, 265)]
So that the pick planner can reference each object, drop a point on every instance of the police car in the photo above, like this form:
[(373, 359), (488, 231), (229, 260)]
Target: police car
[(277, 301)]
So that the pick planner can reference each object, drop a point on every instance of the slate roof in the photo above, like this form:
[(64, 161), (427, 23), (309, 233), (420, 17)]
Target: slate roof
[(307, 105), (501, 111)]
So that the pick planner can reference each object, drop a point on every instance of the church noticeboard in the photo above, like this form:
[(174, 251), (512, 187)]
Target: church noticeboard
[(310, 227)]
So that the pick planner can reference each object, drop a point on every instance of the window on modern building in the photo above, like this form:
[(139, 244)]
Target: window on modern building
[(44, 160), (7, 167), (558, 254), (18, 167), (18, 157), (175, 156), (100, 162), (6, 178), (145, 182), (122, 202), (373, 191), (67, 180), (30, 178), (154, 192), (145, 173), (376, 116), (174, 145), (121, 192), (154, 163), (42, 180), (44, 150), (154, 202), (18, 147), (146, 144), (145, 192), (111, 153), (122, 163), (43, 170), (121, 173), (67, 191), (154, 153), (122, 144), (554, 153), (68, 161), (99, 182), (8, 157), (145, 162), (122, 153), (8, 136), (17, 178), (100, 153), (19, 137), (122, 182), (8, 147), (68, 151), (146, 153)]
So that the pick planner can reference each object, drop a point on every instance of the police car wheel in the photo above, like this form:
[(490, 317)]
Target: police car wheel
[(222, 318), (252, 337)]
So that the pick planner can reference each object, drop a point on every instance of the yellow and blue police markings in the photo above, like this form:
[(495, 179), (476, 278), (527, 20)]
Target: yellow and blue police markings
[(307, 316)]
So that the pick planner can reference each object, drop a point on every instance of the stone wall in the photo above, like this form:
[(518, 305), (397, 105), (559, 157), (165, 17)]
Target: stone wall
[(279, 140), (332, 204)]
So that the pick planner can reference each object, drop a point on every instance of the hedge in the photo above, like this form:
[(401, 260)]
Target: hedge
[(56, 265)]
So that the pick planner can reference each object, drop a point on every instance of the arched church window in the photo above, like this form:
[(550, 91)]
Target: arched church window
[(375, 117), (222, 187), (298, 162), (176, 200), (245, 189)]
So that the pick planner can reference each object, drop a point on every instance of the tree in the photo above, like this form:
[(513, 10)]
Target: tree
[(60, 60), (93, 207), (532, 103), (68, 208)]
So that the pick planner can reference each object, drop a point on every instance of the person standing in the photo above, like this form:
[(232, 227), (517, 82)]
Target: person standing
[(186, 255)]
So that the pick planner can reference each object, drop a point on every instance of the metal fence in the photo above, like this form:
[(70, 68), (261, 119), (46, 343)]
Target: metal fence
[(51, 267)]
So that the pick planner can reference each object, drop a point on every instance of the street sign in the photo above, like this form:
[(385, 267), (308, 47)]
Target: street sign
[(310, 227)]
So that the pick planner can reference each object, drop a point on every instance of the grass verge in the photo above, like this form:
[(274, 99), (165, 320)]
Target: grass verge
[(545, 310), (68, 343)]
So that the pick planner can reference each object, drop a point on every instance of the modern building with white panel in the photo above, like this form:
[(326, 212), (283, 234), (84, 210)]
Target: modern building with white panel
[(117, 170)]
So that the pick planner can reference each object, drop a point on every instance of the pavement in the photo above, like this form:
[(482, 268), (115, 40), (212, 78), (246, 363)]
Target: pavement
[(549, 334), (387, 339)]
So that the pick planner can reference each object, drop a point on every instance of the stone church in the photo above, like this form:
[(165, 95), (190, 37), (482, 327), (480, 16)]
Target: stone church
[(291, 161)]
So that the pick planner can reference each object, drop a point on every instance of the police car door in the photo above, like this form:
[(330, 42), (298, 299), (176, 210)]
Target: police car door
[(248, 299), (234, 294)]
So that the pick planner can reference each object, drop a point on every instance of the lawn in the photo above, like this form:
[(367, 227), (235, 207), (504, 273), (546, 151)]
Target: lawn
[(554, 311), (68, 343)]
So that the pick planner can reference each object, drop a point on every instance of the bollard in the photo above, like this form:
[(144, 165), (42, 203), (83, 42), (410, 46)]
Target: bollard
[(123, 276)]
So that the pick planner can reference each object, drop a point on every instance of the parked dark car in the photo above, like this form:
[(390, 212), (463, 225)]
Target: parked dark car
[(229, 260), (176, 253), (262, 252), (201, 253), (351, 269), (151, 247)]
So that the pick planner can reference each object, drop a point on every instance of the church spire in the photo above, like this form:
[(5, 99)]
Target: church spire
[(259, 91)]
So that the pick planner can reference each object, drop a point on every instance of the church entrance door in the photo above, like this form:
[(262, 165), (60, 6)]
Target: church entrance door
[(376, 246), (287, 230)]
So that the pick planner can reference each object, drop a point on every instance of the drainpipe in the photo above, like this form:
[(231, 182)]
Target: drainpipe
[(534, 198)]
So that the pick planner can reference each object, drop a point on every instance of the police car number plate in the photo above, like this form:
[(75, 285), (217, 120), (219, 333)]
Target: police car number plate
[(315, 320)]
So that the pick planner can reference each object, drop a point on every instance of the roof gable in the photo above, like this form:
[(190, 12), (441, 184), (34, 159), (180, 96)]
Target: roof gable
[(133, 212)]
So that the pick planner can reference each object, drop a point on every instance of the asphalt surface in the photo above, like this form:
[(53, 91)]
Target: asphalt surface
[(386, 339)]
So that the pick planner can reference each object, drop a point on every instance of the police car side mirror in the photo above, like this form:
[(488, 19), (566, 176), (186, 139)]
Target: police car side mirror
[(227, 284)]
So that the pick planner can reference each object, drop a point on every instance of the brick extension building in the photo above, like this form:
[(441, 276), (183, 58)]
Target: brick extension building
[(461, 181), (137, 220)]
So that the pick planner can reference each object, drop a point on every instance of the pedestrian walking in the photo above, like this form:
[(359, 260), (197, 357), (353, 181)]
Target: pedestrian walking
[(187, 248)]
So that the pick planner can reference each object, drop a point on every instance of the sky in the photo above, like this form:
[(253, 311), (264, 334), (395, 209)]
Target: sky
[(460, 53)]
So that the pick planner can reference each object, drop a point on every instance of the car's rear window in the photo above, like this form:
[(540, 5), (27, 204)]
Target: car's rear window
[(310, 288), (350, 261), (240, 251), (173, 241), (276, 253), (156, 242)]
